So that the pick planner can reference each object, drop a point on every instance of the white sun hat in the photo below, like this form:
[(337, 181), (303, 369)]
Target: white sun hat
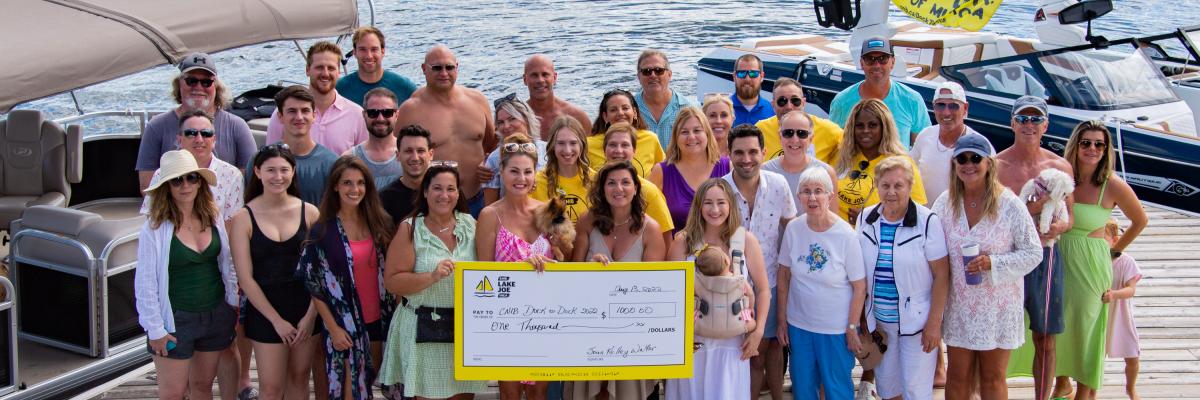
[(177, 163)]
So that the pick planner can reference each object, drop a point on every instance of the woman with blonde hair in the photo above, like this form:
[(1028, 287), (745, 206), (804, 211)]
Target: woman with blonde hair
[(871, 137), (567, 172), (692, 158), (719, 110)]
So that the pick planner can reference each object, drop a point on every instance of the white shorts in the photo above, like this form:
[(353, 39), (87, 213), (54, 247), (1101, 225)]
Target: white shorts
[(905, 369)]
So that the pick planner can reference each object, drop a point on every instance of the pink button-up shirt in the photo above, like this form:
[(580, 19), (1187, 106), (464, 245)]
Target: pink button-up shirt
[(338, 128)]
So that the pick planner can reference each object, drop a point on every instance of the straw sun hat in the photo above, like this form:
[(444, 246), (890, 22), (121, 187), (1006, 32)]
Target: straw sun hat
[(177, 163)]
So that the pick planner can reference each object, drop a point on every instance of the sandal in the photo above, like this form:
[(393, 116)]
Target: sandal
[(249, 393)]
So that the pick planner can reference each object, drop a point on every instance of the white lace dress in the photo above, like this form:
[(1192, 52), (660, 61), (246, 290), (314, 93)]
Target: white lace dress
[(989, 315)]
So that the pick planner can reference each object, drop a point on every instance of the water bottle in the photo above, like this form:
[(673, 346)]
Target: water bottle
[(969, 252)]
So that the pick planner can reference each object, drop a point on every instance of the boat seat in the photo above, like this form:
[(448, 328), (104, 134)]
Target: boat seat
[(38, 164), (93, 231)]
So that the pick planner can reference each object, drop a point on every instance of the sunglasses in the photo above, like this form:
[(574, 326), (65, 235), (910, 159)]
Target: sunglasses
[(659, 71), (964, 158), (1025, 119), (521, 147), (873, 60), (951, 105), (191, 133), (800, 133), (1098, 145), (440, 68), (861, 172), (783, 101), (444, 163), (510, 97), (192, 178), (190, 81), (376, 112), (752, 73)]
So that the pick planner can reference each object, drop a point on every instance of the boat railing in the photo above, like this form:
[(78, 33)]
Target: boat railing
[(8, 308)]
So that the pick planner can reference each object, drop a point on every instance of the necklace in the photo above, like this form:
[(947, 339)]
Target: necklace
[(441, 230)]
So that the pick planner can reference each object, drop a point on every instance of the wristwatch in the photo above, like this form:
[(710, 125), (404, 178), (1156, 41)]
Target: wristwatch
[(853, 327)]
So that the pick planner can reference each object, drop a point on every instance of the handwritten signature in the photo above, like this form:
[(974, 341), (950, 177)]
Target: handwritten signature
[(622, 351)]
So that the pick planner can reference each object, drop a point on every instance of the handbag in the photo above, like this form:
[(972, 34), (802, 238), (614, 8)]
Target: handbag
[(874, 344), (435, 324)]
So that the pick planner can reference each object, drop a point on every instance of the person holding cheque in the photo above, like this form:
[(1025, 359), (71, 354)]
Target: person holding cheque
[(721, 366), (904, 249), (822, 301)]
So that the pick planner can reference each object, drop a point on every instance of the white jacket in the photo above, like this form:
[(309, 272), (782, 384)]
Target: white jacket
[(918, 240), (150, 280)]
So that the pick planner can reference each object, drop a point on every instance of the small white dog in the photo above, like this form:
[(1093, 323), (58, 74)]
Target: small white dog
[(1056, 185)]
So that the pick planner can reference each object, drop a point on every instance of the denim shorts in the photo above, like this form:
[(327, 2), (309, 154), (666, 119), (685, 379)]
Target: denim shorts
[(210, 330)]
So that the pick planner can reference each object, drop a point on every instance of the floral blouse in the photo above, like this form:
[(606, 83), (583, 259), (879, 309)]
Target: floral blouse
[(989, 315)]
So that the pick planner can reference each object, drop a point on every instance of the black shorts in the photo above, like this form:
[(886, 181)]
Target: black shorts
[(210, 330), (375, 331)]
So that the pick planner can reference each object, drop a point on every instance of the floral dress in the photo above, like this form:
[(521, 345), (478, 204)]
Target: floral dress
[(989, 315), (325, 267)]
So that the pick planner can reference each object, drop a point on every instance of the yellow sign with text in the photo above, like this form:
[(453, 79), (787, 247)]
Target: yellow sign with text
[(575, 321), (971, 15)]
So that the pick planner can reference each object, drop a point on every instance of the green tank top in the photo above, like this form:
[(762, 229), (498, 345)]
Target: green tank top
[(194, 279), (1090, 217)]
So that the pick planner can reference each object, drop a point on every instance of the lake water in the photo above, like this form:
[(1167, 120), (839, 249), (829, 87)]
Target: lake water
[(594, 43)]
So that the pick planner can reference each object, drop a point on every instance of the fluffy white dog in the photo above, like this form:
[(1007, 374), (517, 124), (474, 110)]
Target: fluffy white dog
[(1055, 185)]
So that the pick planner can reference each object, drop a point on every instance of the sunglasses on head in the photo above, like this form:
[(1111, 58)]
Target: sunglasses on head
[(800, 133), (444, 163), (276, 148), (440, 68), (964, 158), (190, 81), (861, 172), (1098, 144), (953, 106), (659, 71), (521, 147), (783, 101), (872, 60), (510, 97), (191, 133), (192, 178), (752, 73), (376, 112), (1025, 119)]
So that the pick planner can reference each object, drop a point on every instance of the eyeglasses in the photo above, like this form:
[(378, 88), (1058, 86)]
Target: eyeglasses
[(192, 178), (522, 147), (444, 163), (375, 112), (872, 60), (861, 172), (509, 98), (797, 101), (1097, 144), (190, 81), (752, 73), (964, 158), (953, 106), (440, 68), (806, 193), (191, 133), (788, 133), (1025, 119), (659, 71)]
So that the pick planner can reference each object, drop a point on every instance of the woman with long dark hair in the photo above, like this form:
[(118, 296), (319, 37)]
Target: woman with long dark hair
[(620, 106)]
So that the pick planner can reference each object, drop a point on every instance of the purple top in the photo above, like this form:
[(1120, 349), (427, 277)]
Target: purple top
[(679, 195)]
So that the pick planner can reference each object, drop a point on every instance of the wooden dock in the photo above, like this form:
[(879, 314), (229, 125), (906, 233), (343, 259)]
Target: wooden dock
[(1167, 313)]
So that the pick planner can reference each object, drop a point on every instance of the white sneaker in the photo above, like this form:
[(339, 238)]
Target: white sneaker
[(866, 391)]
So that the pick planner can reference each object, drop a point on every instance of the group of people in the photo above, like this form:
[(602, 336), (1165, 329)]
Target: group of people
[(852, 231)]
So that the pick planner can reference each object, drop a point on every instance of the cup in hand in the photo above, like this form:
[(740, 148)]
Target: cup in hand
[(969, 252)]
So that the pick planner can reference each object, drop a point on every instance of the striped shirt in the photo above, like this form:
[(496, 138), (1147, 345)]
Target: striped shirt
[(885, 296)]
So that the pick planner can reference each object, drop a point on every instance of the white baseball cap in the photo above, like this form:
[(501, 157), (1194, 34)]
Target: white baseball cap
[(955, 92)]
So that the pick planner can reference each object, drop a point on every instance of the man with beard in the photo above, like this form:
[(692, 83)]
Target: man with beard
[(765, 202), (196, 88), (459, 119), (540, 78), (657, 102), (789, 96), (748, 106), (907, 106), (379, 151), (369, 49), (338, 123)]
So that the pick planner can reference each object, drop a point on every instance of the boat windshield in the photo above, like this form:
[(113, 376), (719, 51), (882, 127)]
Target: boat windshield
[(1112, 78)]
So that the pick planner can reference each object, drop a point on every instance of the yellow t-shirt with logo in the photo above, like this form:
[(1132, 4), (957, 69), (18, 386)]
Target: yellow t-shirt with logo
[(826, 137), (860, 193), (577, 198), (648, 152)]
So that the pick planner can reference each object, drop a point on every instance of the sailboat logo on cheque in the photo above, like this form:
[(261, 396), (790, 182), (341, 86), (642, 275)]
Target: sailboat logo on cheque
[(485, 288)]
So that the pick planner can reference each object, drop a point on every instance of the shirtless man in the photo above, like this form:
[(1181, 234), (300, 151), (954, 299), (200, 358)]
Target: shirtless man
[(1017, 165), (459, 119), (540, 78)]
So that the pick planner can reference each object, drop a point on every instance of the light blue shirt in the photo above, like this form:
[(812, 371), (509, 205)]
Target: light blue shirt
[(662, 127), (907, 107)]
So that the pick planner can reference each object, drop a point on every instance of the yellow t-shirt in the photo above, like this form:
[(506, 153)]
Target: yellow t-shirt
[(825, 139), (577, 194), (860, 193), (648, 152), (656, 205)]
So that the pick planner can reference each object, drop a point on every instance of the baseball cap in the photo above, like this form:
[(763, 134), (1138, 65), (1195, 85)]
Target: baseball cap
[(956, 92), (974, 143), (877, 44), (197, 61), (1030, 101)]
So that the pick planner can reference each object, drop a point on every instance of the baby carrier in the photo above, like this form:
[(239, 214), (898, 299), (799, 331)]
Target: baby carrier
[(720, 300)]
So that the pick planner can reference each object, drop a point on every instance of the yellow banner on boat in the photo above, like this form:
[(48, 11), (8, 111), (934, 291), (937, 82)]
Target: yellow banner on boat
[(971, 15), (575, 321)]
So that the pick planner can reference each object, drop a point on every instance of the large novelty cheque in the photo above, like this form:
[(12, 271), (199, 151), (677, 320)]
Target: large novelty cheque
[(575, 321)]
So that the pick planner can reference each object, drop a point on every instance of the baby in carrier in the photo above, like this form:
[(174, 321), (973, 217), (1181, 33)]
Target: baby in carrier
[(724, 299)]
